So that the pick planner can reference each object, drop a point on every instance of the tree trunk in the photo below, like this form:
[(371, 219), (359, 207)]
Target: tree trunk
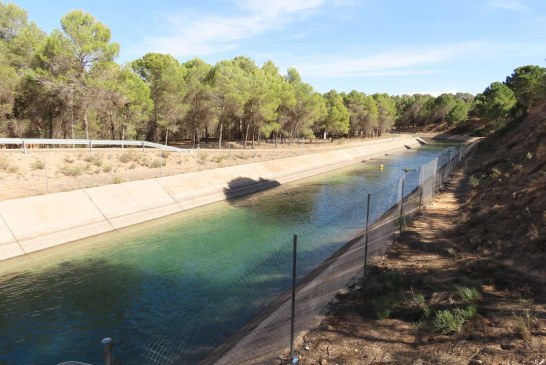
[(72, 114), (221, 130), (112, 126), (50, 117), (85, 124), (246, 133)]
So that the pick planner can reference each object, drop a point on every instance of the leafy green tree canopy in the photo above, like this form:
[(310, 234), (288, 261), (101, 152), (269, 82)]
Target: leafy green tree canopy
[(496, 102), (528, 84)]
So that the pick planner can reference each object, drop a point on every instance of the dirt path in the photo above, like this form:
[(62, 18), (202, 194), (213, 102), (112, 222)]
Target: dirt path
[(395, 317)]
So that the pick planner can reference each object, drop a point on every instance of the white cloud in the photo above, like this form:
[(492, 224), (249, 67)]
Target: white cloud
[(404, 61), (513, 5), (194, 34), (433, 92), (278, 7)]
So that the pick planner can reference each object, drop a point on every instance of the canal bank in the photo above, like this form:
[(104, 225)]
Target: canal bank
[(40, 222)]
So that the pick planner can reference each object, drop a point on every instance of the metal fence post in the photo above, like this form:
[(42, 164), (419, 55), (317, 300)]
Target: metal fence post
[(461, 152), (402, 203), (421, 186), (366, 242), (108, 356), (292, 317), (111, 167), (449, 162), (434, 176)]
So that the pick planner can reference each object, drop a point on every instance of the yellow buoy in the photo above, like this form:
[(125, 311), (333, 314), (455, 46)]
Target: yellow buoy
[(381, 166)]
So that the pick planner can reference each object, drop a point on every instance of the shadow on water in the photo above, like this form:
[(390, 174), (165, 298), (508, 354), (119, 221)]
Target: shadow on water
[(245, 185)]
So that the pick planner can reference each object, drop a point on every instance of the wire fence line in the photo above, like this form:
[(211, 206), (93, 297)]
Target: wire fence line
[(250, 320), (26, 142), (94, 163)]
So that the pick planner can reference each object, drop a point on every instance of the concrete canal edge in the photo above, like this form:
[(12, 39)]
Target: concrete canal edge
[(40, 222)]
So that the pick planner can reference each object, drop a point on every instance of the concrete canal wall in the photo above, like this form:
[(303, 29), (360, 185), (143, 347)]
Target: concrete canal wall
[(39, 222)]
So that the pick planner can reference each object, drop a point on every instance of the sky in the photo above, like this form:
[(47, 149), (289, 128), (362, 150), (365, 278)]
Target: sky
[(393, 46)]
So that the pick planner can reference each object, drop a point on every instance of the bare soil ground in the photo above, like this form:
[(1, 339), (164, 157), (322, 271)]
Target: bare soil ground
[(49, 170), (395, 316)]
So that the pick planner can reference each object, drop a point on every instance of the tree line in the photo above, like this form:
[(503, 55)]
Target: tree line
[(66, 84)]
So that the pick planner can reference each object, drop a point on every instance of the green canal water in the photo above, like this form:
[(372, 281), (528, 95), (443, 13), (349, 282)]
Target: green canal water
[(147, 280)]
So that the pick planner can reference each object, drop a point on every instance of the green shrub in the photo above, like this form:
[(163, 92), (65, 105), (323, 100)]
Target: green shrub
[(157, 163), (107, 168), (94, 159), (524, 323), (72, 170), (468, 294), (417, 301), (452, 321), (495, 171), (382, 306), (37, 165), (117, 179), (219, 158), (474, 181), (467, 313), (384, 293), (6, 166), (128, 156)]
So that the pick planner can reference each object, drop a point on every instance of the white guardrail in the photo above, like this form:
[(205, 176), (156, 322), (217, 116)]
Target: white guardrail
[(25, 142)]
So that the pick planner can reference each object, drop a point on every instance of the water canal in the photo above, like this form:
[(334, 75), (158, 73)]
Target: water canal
[(146, 280)]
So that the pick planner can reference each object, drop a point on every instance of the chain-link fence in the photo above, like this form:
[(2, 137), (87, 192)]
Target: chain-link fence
[(255, 318)]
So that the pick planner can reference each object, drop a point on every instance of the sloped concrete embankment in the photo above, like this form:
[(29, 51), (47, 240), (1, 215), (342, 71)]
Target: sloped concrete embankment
[(39, 222)]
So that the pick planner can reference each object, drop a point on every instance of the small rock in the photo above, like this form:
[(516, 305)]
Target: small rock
[(475, 362), (507, 345), (306, 348), (356, 351), (330, 328), (323, 362)]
